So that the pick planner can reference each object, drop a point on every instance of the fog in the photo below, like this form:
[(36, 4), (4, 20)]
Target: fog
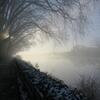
[(67, 66), (71, 58)]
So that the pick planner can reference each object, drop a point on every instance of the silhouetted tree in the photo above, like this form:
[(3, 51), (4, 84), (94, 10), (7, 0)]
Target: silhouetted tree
[(22, 18)]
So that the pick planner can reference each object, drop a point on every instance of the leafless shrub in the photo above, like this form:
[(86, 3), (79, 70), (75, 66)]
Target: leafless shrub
[(89, 86)]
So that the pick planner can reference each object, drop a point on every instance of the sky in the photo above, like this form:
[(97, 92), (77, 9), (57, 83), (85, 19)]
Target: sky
[(93, 26)]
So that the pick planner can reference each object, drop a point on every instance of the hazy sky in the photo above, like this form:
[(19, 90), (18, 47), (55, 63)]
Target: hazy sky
[(93, 27)]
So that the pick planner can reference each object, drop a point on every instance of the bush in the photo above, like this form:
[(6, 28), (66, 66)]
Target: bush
[(89, 86)]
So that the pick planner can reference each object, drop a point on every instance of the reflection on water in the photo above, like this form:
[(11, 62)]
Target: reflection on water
[(65, 66)]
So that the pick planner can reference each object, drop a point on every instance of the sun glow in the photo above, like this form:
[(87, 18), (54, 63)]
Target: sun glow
[(42, 52), (33, 53)]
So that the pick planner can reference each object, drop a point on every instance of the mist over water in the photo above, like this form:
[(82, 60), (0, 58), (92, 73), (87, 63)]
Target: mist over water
[(67, 66), (65, 60)]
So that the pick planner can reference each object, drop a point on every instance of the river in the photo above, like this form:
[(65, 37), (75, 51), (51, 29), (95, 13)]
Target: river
[(64, 66)]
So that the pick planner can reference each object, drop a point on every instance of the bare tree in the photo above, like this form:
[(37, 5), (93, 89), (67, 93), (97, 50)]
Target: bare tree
[(18, 17)]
